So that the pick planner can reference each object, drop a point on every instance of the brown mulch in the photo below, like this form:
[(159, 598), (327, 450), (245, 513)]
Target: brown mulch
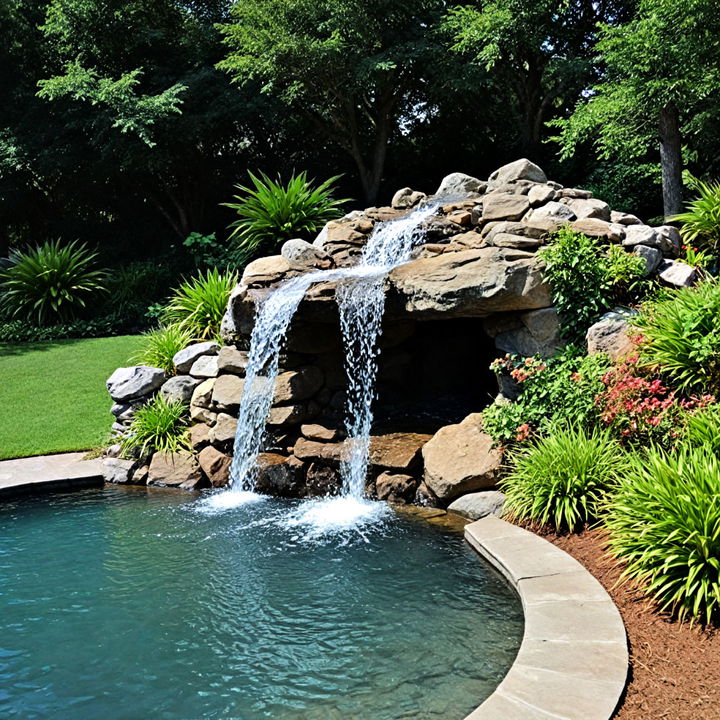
[(675, 668)]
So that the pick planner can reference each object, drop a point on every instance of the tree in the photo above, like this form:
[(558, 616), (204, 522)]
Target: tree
[(658, 88), (356, 69), (541, 50)]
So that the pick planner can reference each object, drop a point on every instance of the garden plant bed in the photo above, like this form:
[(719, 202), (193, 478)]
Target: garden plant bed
[(675, 668)]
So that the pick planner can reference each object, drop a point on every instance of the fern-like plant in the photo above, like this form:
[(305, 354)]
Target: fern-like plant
[(270, 212), (159, 426), (161, 345), (701, 220), (51, 283), (562, 479), (664, 522), (198, 305)]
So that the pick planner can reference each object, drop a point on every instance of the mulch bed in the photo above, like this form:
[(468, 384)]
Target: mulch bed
[(675, 668)]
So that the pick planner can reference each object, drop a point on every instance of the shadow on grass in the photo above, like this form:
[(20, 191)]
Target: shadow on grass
[(15, 349)]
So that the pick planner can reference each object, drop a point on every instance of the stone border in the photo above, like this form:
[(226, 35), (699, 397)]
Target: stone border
[(48, 473), (573, 660)]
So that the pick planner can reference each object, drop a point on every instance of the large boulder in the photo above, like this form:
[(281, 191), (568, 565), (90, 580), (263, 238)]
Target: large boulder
[(460, 185), (301, 254), (536, 332), (478, 505), (226, 392), (610, 334), (677, 274), (460, 459), (179, 388), (215, 465), (396, 487), (267, 271), (176, 470), (185, 359), (130, 383), (232, 361), (471, 283), (551, 213), (522, 169), (397, 451), (504, 206)]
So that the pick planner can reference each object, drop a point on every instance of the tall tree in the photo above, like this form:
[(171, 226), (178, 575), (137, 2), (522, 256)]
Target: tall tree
[(658, 89), (542, 50), (356, 69)]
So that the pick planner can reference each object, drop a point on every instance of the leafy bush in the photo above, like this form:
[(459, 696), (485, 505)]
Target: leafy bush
[(680, 336), (161, 345), (664, 522), (199, 304), (159, 426), (701, 220), (576, 270), (208, 251), (640, 408), (271, 213), (51, 283), (563, 478), (562, 388), (626, 273), (703, 428), (22, 331)]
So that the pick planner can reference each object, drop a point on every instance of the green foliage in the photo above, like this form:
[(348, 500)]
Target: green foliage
[(681, 336), (208, 251), (562, 479), (560, 389), (703, 428), (22, 331), (627, 274), (51, 282), (159, 426), (271, 213), (664, 522), (161, 345), (577, 273), (701, 220), (199, 304)]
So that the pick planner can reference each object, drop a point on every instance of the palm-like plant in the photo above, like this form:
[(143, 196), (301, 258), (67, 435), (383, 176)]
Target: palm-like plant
[(701, 220), (198, 305), (270, 212), (51, 282)]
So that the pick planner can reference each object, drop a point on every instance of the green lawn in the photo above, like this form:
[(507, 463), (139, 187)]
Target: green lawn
[(53, 396)]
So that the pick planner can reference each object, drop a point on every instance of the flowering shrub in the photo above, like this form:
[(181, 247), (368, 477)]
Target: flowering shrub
[(559, 389), (640, 408)]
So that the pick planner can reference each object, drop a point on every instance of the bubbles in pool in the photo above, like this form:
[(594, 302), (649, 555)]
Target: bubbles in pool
[(228, 500)]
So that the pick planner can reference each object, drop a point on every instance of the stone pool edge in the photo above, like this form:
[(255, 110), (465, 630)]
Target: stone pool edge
[(573, 660)]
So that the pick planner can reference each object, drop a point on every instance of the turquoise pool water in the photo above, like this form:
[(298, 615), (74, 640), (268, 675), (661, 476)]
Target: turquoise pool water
[(122, 603)]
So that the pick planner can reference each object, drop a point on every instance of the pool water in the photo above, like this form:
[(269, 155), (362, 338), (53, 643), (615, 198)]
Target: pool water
[(137, 604)]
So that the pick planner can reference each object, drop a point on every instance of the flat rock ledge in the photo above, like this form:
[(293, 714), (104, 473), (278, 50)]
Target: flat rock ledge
[(573, 660)]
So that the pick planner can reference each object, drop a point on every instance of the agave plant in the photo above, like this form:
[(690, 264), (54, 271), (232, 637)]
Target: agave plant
[(198, 305), (270, 212), (51, 283), (701, 220), (161, 345)]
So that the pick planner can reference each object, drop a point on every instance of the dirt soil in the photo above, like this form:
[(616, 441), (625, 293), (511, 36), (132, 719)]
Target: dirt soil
[(675, 668)]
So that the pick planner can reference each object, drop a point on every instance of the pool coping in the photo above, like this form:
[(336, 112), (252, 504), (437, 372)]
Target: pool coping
[(573, 660), (48, 473)]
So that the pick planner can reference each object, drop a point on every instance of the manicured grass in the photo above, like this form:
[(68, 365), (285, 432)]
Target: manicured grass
[(53, 396)]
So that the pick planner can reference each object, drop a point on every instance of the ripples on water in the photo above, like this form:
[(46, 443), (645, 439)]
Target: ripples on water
[(135, 604)]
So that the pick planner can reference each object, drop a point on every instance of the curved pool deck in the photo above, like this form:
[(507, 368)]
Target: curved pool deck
[(47, 473), (573, 660)]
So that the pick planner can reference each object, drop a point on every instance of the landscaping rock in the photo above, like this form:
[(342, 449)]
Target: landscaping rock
[(397, 451), (459, 185), (118, 470), (175, 470), (124, 412), (531, 333), (267, 271), (226, 392), (296, 385), (320, 433), (504, 206), (202, 395), (594, 227), (677, 274), (131, 383), (460, 459), (555, 212), (588, 208), (224, 429), (521, 169), (670, 240), (652, 257), (185, 359), (199, 436), (215, 465), (640, 235), (478, 505), (205, 367), (302, 255), (278, 475), (313, 451), (609, 334), (541, 194), (624, 218), (396, 488), (291, 414), (407, 198), (232, 361), (179, 388)]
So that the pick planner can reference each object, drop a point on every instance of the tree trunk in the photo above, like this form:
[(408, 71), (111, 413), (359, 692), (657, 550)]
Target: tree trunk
[(671, 160)]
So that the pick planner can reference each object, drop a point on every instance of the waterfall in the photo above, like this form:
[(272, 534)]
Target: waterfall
[(361, 300)]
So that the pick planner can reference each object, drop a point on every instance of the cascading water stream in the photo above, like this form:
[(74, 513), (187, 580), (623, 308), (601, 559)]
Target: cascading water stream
[(361, 300)]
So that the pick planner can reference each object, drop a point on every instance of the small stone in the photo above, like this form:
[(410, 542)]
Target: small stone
[(677, 274), (179, 388), (624, 218), (522, 169), (227, 391), (478, 505), (610, 334), (205, 367), (202, 415), (515, 241), (184, 359), (290, 414), (124, 412), (117, 470), (396, 488), (575, 193), (312, 451), (460, 217), (320, 432), (175, 470), (224, 430), (513, 228), (297, 385), (541, 194), (232, 361), (504, 206), (140, 475), (267, 271), (215, 465), (202, 395), (129, 383), (199, 436), (652, 257), (407, 198), (592, 227), (670, 240), (303, 255)]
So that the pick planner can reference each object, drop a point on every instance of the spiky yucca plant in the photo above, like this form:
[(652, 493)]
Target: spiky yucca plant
[(701, 220), (198, 305), (159, 426), (664, 522), (161, 345), (562, 479), (51, 283), (270, 212)]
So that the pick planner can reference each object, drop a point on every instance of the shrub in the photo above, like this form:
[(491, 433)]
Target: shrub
[(640, 408), (560, 388), (161, 345), (701, 220), (664, 522), (208, 251), (576, 270), (562, 479), (199, 304), (22, 331), (680, 336), (271, 213), (159, 426), (703, 428), (626, 273), (51, 283)]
